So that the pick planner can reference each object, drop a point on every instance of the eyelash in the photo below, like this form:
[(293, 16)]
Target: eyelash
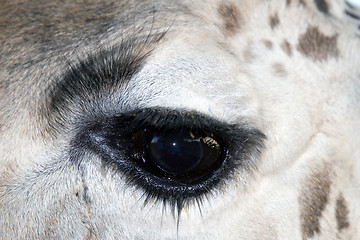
[(99, 138)]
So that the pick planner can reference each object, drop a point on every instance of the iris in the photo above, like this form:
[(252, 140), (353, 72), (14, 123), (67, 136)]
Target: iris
[(181, 155)]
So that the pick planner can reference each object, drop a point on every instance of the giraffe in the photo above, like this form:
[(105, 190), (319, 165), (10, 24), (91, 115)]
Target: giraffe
[(165, 119)]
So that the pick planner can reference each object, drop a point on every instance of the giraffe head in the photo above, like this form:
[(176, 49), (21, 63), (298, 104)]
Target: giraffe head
[(179, 119)]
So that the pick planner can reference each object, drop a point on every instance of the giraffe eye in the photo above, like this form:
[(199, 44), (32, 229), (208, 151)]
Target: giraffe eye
[(174, 157), (181, 155)]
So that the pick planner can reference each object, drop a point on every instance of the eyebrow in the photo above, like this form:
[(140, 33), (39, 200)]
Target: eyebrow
[(97, 75)]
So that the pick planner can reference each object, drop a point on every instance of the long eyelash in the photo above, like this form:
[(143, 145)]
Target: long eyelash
[(100, 137)]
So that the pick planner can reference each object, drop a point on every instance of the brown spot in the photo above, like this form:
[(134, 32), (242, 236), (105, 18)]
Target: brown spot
[(322, 6), (313, 199), (231, 18), (268, 43), (286, 47), (279, 70), (302, 2), (316, 45), (288, 2), (274, 21), (341, 213)]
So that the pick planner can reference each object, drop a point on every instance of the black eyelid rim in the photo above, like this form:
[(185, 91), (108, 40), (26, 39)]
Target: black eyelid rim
[(243, 142), (166, 119)]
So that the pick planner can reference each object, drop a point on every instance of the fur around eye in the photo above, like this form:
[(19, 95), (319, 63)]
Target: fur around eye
[(175, 157)]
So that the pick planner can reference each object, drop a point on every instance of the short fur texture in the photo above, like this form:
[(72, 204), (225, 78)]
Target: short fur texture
[(275, 83)]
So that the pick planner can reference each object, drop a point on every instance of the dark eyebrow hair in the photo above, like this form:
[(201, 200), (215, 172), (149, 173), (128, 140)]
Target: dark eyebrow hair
[(95, 76)]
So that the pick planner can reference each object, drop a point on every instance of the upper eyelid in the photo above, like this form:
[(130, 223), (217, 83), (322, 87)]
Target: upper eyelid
[(169, 119), (161, 117)]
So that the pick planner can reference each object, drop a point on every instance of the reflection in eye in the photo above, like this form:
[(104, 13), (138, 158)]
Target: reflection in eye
[(174, 154)]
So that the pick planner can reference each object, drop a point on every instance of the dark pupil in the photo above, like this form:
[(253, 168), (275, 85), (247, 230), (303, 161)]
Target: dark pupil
[(180, 154)]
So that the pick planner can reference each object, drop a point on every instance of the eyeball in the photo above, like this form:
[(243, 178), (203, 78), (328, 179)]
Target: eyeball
[(181, 155)]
